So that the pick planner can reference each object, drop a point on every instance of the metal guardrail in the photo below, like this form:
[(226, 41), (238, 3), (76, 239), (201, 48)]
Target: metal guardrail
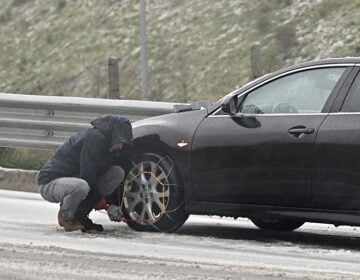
[(44, 122)]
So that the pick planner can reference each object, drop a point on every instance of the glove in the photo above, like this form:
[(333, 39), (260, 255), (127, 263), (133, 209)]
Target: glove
[(100, 205), (114, 212)]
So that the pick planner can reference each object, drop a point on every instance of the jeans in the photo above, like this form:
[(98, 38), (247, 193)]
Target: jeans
[(75, 194)]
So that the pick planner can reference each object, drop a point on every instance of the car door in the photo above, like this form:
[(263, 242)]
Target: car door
[(263, 154), (336, 170)]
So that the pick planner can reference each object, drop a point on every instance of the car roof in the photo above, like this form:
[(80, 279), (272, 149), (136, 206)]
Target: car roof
[(344, 60)]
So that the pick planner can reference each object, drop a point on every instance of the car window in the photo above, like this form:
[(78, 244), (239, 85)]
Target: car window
[(352, 101), (302, 92)]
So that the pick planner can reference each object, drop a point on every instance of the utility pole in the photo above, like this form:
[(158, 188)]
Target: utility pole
[(144, 69)]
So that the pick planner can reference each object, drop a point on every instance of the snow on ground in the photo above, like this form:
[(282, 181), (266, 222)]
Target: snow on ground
[(33, 246)]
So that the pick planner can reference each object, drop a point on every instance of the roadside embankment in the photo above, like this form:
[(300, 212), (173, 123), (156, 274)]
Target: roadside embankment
[(18, 180)]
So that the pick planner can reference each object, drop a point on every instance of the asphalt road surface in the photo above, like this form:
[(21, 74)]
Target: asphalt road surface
[(33, 246)]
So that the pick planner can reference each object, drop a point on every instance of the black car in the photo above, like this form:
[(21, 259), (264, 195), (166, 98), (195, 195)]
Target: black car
[(282, 150)]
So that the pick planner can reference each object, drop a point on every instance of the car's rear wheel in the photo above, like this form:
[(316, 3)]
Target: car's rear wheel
[(277, 224), (153, 196)]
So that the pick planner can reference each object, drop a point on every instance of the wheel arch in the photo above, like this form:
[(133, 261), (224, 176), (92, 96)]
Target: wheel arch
[(152, 143), (162, 134)]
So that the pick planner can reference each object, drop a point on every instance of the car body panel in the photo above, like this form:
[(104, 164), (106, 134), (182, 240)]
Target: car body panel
[(254, 160), (338, 217), (314, 177), (163, 133), (336, 164)]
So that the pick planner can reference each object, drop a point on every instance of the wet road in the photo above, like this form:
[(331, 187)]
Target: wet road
[(33, 246)]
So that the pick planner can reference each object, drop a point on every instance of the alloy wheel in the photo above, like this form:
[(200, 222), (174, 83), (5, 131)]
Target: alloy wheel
[(146, 192)]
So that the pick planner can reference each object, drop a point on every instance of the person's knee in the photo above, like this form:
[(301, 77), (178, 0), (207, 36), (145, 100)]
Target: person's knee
[(111, 180), (83, 187), (116, 177), (117, 173)]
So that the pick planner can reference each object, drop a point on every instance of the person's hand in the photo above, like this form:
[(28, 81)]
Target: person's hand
[(115, 214)]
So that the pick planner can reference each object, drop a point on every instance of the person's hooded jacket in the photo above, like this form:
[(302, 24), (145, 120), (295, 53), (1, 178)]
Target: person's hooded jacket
[(87, 155)]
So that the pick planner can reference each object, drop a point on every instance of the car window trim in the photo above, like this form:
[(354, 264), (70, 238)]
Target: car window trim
[(295, 71), (312, 67), (345, 91), (269, 115), (343, 113)]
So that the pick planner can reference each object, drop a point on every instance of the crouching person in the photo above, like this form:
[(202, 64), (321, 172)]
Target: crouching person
[(81, 173)]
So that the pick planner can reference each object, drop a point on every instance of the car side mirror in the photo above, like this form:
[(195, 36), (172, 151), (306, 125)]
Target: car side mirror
[(229, 104)]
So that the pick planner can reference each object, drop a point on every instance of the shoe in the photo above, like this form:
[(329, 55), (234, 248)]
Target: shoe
[(88, 223), (69, 225)]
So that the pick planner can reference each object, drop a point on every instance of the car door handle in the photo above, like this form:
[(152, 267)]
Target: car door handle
[(299, 131)]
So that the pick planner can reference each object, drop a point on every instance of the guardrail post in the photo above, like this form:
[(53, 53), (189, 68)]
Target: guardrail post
[(114, 84), (256, 65)]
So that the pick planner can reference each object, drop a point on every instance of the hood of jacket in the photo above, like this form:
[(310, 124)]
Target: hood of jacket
[(117, 129)]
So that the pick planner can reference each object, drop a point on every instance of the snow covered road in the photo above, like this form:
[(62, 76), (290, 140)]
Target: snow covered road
[(33, 246)]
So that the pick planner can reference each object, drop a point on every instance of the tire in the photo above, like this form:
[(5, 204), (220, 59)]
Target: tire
[(153, 195), (277, 224)]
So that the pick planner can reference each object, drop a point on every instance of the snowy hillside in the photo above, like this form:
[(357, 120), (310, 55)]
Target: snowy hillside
[(197, 49)]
